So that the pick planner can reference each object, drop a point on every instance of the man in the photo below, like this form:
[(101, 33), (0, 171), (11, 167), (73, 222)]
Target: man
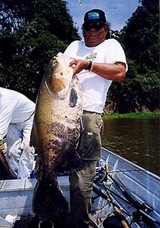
[(16, 118), (97, 61)]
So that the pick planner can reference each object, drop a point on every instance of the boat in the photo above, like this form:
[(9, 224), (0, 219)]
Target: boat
[(122, 191), (126, 189)]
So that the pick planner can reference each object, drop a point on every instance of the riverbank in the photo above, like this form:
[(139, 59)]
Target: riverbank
[(137, 115)]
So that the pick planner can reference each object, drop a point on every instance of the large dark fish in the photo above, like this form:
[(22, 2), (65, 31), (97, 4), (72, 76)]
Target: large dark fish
[(55, 135)]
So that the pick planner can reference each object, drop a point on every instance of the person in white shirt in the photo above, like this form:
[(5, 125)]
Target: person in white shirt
[(16, 119), (97, 61)]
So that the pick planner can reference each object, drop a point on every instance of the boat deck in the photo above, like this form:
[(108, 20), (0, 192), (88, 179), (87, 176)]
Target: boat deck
[(16, 199)]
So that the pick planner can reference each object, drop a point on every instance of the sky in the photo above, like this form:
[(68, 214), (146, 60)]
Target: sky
[(117, 11)]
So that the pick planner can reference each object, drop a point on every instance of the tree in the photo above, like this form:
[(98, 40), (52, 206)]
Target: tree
[(30, 35), (140, 37)]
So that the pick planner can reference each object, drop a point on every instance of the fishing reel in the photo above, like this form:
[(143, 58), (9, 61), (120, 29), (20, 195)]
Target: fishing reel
[(101, 174)]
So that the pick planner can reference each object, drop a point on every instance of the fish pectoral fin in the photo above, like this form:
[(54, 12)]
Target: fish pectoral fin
[(72, 164), (73, 98)]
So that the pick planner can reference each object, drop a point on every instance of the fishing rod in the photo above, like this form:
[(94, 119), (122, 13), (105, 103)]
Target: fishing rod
[(141, 208), (98, 191), (133, 201), (135, 216), (102, 194), (130, 198), (125, 220)]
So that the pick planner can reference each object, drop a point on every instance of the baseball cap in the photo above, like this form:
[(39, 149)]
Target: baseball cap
[(95, 15)]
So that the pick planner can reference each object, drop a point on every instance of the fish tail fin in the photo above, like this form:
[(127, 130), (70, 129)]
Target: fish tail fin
[(48, 199)]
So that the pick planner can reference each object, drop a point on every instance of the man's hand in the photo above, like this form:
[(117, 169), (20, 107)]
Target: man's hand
[(3, 162), (2, 147), (78, 65)]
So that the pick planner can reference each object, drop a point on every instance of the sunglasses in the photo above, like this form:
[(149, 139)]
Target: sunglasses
[(89, 26)]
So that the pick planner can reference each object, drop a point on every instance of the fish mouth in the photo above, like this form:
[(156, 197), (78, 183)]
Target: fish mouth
[(60, 60)]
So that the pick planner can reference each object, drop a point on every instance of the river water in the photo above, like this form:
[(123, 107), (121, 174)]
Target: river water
[(137, 140)]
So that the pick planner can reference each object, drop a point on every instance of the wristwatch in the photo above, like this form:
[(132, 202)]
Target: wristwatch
[(89, 66)]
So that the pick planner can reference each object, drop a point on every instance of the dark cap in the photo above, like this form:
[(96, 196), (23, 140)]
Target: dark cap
[(95, 15)]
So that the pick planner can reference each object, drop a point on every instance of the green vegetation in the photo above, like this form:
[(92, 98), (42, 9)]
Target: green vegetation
[(32, 32), (132, 115), (140, 90)]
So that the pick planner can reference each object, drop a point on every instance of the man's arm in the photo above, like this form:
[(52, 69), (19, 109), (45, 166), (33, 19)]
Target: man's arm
[(111, 71)]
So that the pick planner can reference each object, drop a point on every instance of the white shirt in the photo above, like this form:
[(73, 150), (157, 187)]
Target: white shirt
[(95, 87), (14, 108)]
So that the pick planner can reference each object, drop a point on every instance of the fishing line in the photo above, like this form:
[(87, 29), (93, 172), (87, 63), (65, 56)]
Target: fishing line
[(126, 171)]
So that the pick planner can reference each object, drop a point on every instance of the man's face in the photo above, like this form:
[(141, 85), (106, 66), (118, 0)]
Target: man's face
[(94, 34)]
